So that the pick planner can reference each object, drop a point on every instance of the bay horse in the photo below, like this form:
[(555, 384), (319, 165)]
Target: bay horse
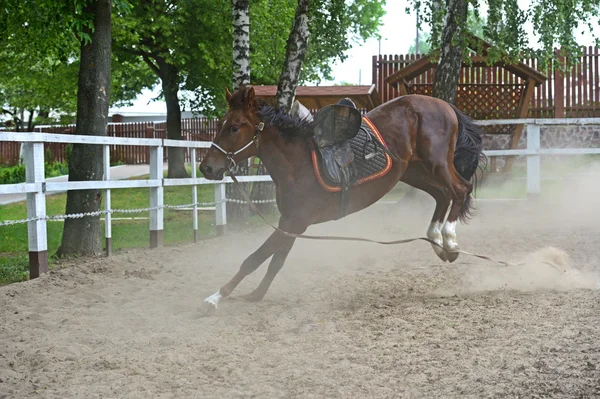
[(436, 149)]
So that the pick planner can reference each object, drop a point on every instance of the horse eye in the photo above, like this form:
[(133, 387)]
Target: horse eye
[(234, 129)]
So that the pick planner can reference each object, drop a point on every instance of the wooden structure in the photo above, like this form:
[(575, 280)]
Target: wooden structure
[(574, 93), (480, 96), (317, 97)]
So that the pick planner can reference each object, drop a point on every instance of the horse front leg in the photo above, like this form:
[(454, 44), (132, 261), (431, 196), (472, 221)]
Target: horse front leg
[(249, 265), (284, 246), (274, 267), (277, 244)]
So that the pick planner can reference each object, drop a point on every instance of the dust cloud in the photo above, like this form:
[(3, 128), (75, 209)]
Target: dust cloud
[(341, 320)]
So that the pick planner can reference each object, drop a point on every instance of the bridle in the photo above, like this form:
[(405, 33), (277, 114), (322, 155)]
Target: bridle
[(231, 154)]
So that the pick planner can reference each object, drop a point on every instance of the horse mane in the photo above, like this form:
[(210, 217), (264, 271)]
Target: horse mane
[(288, 126)]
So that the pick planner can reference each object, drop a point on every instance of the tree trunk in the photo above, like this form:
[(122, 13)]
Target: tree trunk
[(241, 76), (241, 42), (295, 50), (30, 120), (82, 236), (169, 76), (447, 73)]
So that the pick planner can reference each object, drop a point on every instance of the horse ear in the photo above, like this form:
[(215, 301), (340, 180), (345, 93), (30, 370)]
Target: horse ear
[(227, 94), (249, 97)]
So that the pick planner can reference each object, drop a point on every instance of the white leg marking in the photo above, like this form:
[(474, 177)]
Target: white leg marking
[(449, 234), (434, 233), (214, 299)]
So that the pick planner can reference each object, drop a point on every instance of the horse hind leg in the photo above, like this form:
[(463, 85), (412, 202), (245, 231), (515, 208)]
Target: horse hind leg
[(442, 202), (460, 210), (435, 232)]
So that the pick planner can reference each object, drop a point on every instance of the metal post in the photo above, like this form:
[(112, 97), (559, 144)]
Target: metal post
[(108, 216), (194, 195), (156, 197), (221, 208), (33, 155), (533, 161)]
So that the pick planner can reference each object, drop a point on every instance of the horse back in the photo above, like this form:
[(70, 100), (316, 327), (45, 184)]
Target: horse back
[(416, 125)]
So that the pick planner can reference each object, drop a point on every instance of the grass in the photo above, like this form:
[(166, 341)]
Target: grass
[(128, 233)]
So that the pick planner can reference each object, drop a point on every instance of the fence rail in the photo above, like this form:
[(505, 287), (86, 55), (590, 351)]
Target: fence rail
[(36, 187), (195, 129)]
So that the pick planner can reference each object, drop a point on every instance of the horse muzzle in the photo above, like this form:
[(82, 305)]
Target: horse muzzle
[(211, 172)]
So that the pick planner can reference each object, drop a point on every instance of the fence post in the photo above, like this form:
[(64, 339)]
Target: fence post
[(221, 208), (533, 161), (156, 197), (194, 195), (108, 216), (33, 154), (559, 87)]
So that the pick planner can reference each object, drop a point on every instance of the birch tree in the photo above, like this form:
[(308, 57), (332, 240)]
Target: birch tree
[(241, 42), (295, 51)]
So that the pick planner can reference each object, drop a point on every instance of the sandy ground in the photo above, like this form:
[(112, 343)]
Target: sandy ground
[(342, 320)]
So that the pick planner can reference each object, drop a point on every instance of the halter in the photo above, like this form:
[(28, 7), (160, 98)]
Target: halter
[(259, 128)]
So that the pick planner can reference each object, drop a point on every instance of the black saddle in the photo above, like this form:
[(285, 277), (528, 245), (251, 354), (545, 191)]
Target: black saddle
[(346, 146)]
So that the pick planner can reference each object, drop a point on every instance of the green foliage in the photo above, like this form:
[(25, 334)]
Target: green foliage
[(12, 174), (14, 269), (334, 25), (16, 174), (39, 54), (190, 39), (424, 44), (475, 25), (554, 23)]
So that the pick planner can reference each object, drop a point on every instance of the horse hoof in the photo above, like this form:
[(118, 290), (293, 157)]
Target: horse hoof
[(207, 309), (211, 303), (452, 256), (440, 253)]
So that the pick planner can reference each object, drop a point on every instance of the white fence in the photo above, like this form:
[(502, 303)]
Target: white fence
[(36, 185)]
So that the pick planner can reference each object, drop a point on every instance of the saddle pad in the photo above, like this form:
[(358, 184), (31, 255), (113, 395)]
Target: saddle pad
[(365, 170)]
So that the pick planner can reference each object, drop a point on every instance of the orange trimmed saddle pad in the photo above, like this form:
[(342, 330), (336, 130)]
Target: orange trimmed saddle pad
[(370, 161)]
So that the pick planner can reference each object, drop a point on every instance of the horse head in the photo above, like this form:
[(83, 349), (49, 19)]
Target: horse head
[(237, 138)]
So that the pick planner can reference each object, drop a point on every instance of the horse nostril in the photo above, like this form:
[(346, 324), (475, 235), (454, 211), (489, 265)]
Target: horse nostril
[(208, 169)]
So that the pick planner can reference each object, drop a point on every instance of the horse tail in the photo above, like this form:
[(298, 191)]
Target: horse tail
[(468, 156)]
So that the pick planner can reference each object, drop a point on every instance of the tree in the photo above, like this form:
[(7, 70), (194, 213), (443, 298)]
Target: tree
[(424, 46), (185, 43), (447, 73), (82, 235), (241, 42), (36, 89), (475, 25), (295, 50), (554, 22), (334, 27), (39, 54)]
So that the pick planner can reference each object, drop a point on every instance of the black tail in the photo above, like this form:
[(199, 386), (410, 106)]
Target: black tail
[(468, 156)]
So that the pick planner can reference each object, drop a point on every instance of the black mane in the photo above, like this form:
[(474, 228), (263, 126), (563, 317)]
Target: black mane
[(288, 126)]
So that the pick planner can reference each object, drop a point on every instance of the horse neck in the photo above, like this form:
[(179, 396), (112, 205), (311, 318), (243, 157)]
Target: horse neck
[(283, 159)]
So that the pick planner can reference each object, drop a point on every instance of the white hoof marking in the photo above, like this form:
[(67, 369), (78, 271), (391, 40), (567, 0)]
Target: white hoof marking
[(434, 233), (214, 299), (449, 234)]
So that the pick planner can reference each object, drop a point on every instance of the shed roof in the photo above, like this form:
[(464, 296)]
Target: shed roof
[(316, 97)]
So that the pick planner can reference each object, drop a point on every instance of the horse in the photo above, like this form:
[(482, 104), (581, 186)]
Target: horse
[(436, 148)]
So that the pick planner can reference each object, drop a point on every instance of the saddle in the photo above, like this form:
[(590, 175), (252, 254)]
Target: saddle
[(347, 149)]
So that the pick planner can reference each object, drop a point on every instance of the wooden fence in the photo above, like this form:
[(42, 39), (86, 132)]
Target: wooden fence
[(197, 129), (574, 94)]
